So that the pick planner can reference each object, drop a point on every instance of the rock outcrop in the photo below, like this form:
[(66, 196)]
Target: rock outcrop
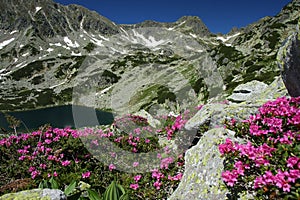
[(202, 176), (35, 194), (289, 63)]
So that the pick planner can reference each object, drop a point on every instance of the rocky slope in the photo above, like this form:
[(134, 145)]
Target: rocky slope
[(53, 54)]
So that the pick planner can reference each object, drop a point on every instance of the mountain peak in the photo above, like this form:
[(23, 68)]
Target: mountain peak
[(193, 24)]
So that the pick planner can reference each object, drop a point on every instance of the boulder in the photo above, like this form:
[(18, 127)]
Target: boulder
[(288, 59), (35, 194), (202, 176), (203, 166), (248, 91)]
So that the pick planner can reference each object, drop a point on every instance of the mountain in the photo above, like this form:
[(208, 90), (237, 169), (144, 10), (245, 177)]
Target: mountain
[(53, 54)]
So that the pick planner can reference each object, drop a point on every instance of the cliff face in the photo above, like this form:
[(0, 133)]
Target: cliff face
[(289, 64)]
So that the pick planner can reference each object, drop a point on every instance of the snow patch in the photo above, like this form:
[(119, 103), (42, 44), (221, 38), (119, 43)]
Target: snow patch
[(50, 50), (193, 35), (56, 44), (103, 38), (15, 31), (37, 9), (70, 43), (176, 26), (25, 54), (6, 42), (58, 84), (149, 42), (98, 42), (20, 65), (103, 91), (75, 54), (224, 39)]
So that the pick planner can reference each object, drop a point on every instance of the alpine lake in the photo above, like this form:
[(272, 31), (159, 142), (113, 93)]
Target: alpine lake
[(58, 116)]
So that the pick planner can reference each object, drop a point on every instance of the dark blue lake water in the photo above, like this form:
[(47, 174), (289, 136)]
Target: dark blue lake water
[(60, 117)]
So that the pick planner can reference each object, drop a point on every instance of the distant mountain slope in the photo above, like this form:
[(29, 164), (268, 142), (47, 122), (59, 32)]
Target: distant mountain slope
[(48, 49)]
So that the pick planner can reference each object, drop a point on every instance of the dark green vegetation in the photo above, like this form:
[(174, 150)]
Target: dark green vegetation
[(69, 69), (152, 94), (142, 58)]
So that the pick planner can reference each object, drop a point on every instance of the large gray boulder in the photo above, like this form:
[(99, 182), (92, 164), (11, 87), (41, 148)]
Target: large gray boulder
[(288, 59), (203, 168), (35, 194)]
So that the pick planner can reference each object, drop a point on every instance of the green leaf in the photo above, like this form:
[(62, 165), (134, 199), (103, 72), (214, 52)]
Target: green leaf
[(54, 184), (70, 188), (93, 195), (124, 197), (43, 184), (114, 192)]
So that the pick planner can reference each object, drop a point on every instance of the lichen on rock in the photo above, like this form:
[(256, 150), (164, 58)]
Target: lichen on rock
[(35, 194)]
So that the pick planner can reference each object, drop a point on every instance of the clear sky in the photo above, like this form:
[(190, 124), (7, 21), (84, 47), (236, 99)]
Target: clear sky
[(218, 15)]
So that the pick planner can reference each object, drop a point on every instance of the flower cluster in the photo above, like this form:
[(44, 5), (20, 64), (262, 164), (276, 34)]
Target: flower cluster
[(67, 154), (269, 162)]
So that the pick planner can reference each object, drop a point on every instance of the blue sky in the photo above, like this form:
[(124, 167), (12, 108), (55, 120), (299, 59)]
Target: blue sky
[(218, 15)]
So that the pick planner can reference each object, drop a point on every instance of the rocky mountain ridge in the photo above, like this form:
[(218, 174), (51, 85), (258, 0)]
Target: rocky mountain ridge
[(53, 54)]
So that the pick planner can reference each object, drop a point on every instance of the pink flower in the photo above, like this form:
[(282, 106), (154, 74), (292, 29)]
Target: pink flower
[(43, 166), (35, 173), (164, 163), (31, 169), (147, 141), (86, 174), (175, 178), (292, 161), (111, 167), (227, 147), (65, 163), (157, 185), (156, 174), (47, 141), (134, 186), (135, 164), (137, 178), (259, 182), (230, 177), (294, 174), (55, 174)]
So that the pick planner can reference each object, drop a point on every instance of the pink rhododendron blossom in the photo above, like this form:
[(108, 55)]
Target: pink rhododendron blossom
[(86, 174), (157, 185), (292, 161), (230, 177), (137, 178), (65, 163), (135, 164), (134, 186), (111, 167), (164, 163)]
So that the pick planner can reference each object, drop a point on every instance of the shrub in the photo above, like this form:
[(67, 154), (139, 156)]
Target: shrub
[(62, 156), (268, 164)]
